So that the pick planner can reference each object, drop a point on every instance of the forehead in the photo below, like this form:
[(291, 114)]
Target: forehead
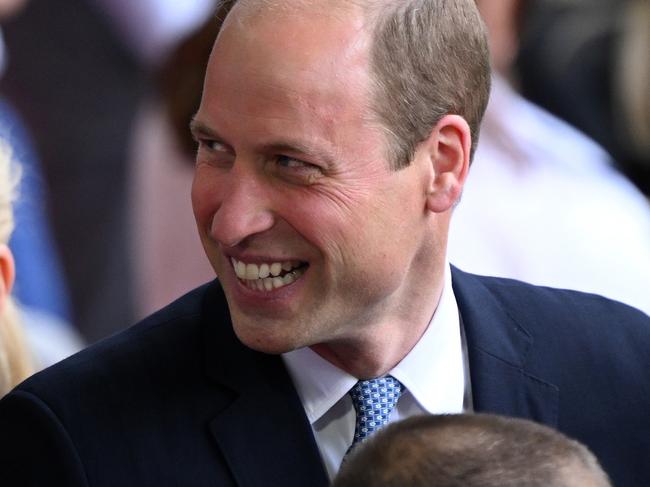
[(311, 58), (312, 8), (277, 72)]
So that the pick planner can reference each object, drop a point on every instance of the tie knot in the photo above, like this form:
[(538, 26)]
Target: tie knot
[(373, 400)]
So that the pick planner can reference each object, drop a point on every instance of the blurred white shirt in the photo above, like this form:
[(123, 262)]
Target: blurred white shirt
[(543, 204)]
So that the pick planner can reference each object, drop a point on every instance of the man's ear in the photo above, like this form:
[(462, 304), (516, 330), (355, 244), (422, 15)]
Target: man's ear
[(7, 273), (449, 154)]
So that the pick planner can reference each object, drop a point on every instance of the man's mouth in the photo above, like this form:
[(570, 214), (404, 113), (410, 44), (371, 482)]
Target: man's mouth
[(268, 276)]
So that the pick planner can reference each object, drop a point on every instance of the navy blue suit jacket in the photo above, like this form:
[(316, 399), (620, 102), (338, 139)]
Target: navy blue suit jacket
[(177, 400)]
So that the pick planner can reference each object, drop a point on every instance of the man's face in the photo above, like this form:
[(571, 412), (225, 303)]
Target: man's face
[(291, 179)]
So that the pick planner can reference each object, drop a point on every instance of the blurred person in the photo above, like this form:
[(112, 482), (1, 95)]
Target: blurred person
[(9, 7), (470, 451), (77, 86), (40, 290), (165, 239), (80, 97), (152, 28), (631, 94), (329, 163), (167, 253), (587, 62), (551, 189), (15, 360), (162, 240)]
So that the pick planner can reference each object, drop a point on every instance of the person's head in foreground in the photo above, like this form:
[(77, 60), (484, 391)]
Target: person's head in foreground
[(14, 359), (470, 450)]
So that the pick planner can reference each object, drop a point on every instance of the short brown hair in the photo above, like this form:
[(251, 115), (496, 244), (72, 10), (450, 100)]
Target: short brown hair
[(429, 58), (470, 451)]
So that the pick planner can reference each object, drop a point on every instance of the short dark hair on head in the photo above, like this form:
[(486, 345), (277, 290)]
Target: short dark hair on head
[(476, 450)]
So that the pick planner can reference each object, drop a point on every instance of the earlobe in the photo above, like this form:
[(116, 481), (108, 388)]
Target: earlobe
[(7, 273), (449, 153)]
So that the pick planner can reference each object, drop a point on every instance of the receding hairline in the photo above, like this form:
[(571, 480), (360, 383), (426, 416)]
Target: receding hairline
[(244, 16), (291, 5), (396, 30), (252, 8), (249, 9)]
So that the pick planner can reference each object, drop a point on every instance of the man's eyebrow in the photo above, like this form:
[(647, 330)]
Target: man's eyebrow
[(200, 128)]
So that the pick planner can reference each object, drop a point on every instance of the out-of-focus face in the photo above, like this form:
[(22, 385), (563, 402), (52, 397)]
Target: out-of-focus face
[(312, 236), (500, 17), (10, 7)]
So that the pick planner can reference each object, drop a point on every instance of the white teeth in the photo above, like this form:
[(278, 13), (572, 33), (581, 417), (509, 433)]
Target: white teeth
[(265, 276), (252, 271), (240, 270), (268, 283)]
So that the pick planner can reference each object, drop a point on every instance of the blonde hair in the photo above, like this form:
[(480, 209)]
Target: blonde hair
[(15, 362)]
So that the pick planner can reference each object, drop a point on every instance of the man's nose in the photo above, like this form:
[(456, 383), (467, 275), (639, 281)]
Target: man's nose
[(244, 210)]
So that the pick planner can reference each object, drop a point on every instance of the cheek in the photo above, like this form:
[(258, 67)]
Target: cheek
[(205, 191), (331, 223), (382, 235), (346, 220), (351, 239)]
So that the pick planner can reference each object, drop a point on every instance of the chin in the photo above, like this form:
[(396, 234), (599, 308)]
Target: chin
[(268, 338)]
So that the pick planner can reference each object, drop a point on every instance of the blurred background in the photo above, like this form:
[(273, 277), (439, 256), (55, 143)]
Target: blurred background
[(97, 95)]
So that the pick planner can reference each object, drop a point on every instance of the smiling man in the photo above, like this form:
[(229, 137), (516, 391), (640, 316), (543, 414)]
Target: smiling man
[(316, 238), (334, 139)]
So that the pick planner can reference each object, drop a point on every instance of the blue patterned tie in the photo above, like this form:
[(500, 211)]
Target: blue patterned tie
[(373, 400)]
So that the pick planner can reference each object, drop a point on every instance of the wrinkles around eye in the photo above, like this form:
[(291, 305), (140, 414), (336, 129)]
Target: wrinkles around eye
[(290, 162), (297, 170)]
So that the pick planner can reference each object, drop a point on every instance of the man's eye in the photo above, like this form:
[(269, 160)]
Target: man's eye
[(297, 171), (214, 153), (212, 145), (290, 162)]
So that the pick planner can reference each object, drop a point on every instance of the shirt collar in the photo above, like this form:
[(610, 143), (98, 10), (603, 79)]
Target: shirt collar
[(433, 371), (319, 383), (434, 365)]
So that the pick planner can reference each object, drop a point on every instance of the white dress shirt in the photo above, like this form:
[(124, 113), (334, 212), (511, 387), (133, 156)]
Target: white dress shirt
[(434, 375)]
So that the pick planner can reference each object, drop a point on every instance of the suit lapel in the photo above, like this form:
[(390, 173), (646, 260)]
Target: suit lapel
[(497, 350), (263, 432)]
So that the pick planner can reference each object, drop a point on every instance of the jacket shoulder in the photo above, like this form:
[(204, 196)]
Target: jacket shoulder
[(577, 360), (568, 330), (168, 332), (88, 419), (546, 306)]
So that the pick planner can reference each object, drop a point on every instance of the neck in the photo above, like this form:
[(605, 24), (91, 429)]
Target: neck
[(378, 348)]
